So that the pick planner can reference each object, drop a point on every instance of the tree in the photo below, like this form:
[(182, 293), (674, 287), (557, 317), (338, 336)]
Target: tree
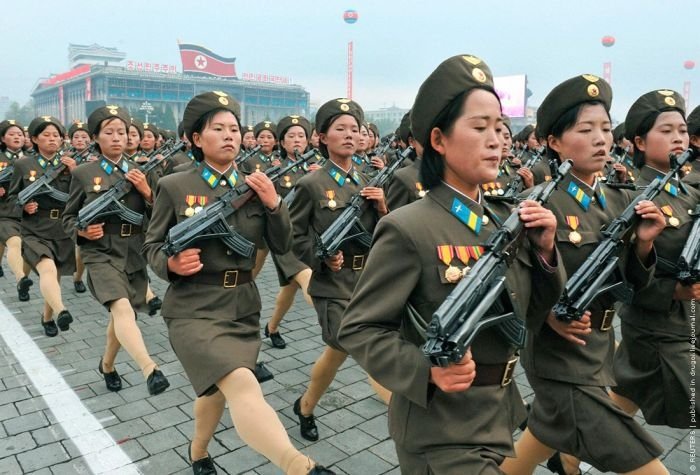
[(24, 114), (386, 126)]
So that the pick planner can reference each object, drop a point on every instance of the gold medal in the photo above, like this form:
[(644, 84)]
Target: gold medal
[(97, 188), (198, 209), (330, 194), (189, 212), (32, 175), (421, 193), (287, 181), (484, 220), (453, 274), (575, 237), (190, 200), (332, 204), (97, 181), (673, 221)]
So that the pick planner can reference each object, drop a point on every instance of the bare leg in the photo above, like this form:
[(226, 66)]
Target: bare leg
[(49, 284), (207, 414), (112, 346), (383, 393), (129, 335), (529, 452), (625, 404), (284, 301), (14, 257), (79, 266), (302, 279), (149, 293), (259, 261), (322, 375)]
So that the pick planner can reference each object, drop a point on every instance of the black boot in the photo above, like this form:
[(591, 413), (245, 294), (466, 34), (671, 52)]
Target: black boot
[(157, 382), (262, 374), (154, 305), (23, 288), (79, 286), (307, 424), (64, 320), (112, 379), (275, 338), (203, 466), (50, 328)]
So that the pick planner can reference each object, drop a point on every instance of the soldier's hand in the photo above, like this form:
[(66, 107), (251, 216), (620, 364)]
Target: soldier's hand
[(335, 263), (265, 189), (186, 262), (516, 161), (69, 162), (528, 177), (686, 292), (652, 223), (377, 162), (620, 172), (2, 191), (541, 225), (93, 232), (314, 166), (571, 331), (455, 378), (375, 194), (31, 207), (138, 179)]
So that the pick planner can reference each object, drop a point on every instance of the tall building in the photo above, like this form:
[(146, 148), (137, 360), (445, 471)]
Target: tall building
[(98, 78), (391, 114)]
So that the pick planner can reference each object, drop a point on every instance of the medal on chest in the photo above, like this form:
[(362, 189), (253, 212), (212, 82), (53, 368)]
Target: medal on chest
[(190, 200), (672, 220), (421, 191), (32, 175), (330, 194), (446, 253), (574, 235), (97, 186)]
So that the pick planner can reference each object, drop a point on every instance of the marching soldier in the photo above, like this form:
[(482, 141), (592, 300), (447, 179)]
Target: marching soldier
[(80, 140), (406, 185), (692, 176)]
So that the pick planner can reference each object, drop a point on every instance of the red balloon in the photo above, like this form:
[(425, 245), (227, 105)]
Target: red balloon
[(689, 64), (608, 41)]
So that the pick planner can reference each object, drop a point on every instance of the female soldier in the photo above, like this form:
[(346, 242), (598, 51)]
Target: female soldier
[(248, 141), (212, 307), (653, 362), (292, 273), (569, 365), (117, 272), (45, 246), (692, 176), (406, 186), (458, 419), (265, 136), (320, 198), (149, 138), (133, 139), (11, 141), (373, 136), (79, 140)]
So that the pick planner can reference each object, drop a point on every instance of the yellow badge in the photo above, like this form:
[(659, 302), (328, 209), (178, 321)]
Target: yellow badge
[(593, 90), (670, 101), (295, 120), (473, 60), (223, 97), (344, 107), (12, 122), (419, 187), (665, 92), (190, 200), (575, 237), (189, 212), (453, 274), (47, 118), (288, 181), (590, 77), (330, 194), (673, 221), (479, 75), (114, 110), (97, 181), (32, 175)]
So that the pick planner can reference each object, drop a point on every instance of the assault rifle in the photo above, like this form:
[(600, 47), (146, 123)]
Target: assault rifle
[(463, 314), (687, 269), (515, 186), (593, 278), (348, 221), (109, 204), (6, 174), (245, 156), (211, 221), (289, 197), (42, 185), (618, 155)]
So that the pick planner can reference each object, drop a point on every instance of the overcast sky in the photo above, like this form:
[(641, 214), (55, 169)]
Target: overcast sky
[(397, 43)]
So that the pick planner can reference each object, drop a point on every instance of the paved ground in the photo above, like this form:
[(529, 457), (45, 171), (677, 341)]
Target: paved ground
[(154, 431)]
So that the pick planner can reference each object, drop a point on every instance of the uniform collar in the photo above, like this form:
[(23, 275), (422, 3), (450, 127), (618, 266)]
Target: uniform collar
[(583, 193), (341, 176), (109, 166), (43, 161), (214, 178), (13, 155), (673, 187), (473, 214)]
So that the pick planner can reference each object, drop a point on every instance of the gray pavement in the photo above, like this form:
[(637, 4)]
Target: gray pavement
[(154, 431)]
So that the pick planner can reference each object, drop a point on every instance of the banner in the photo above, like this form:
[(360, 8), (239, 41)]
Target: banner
[(199, 60), (511, 90)]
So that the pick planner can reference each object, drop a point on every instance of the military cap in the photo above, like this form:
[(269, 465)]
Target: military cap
[(569, 94), (139, 126), (525, 132), (663, 100), (76, 126), (506, 122), (207, 102), (336, 107), (405, 127), (107, 112), (6, 124), (452, 77), (265, 125), (154, 130), (373, 127), (286, 123), (44, 119), (248, 128), (180, 130), (619, 132), (693, 122)]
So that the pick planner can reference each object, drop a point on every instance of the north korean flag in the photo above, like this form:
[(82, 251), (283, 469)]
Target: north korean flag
[(199, 60)]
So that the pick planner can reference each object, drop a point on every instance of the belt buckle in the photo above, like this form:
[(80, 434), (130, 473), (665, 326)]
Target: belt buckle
[(125, 230), (358, 262), (606, 323), (230, 279), (508, 372), (54, 213)]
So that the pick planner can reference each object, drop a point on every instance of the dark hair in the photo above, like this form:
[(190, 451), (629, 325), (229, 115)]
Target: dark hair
[(40, 128), (200, 124), (432, 169), (3, 145), (565, 122), (99, 129), (638, 156)]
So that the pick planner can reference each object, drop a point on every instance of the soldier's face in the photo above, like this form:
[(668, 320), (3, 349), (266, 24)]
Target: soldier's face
[(314, 139), (133, 139), (112, 138), (48, 140), (266, 140), (668, 135), (80, 140), (149, 140), (363, 143), (294, 138), (587, 142), (472, 148), (507, 142), (249, 140), (13, 138), (532, 142), (342, 136), (220, 140)]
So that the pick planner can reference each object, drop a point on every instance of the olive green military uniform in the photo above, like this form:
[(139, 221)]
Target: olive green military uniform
[(320, 198), (116, 267), (42, 232), (437, 432), (213, 316), (572, 411), (541, 171), (10, 215), (259, 162), (654, 360), (405, 186)]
